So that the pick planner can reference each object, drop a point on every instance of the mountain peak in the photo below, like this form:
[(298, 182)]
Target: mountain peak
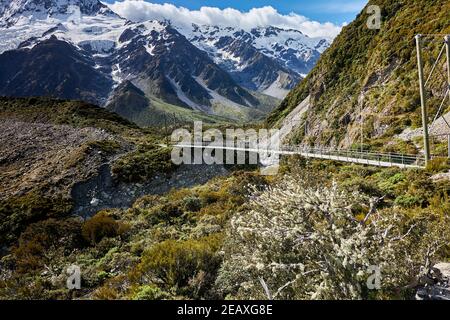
[(17, 11)]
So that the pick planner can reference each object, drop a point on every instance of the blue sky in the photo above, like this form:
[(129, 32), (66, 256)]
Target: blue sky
[(335, 11)]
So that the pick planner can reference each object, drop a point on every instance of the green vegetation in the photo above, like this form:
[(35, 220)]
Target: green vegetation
[(73, 113), (178, 245), (439, 164), (100, 226), (374, 71), (141, 165), (19, 211), (189, 265)]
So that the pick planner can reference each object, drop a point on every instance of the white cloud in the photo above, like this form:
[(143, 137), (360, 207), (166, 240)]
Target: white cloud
[(138, 10)]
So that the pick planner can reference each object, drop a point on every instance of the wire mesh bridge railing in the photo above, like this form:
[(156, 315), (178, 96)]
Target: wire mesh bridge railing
[(358, 156), (341, 155)]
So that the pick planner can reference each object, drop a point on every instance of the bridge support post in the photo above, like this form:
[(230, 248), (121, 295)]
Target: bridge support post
[(448, 146), (447, 49), (426, 141)]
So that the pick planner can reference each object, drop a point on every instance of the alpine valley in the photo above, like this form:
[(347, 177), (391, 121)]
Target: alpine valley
[(144, 71), (92, 205)]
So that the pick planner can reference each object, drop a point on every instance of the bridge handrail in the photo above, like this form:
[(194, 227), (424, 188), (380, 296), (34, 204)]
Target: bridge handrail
[(323, 150), (349, 151), (394, 158)]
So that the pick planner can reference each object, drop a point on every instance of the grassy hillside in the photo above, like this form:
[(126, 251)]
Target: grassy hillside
[(59, 112), (146, 109), (369, 77)]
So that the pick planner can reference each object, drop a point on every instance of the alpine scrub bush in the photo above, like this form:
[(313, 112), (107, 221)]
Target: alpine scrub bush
[(101, 226), (303, 241), (41, 242), (190, 265), (438, 165), (16, 213), (192, 204), (167, 212), (142, 164), (147, 292)]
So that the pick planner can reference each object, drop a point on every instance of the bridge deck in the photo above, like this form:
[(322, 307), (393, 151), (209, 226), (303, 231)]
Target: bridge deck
[(352, 156)]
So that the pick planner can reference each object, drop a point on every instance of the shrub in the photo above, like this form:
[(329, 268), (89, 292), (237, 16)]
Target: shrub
[(101, 226), (408, 201), (147, 292), (302, 241), (147, 202), (143, 164), (165, 212), (17, 213), (192, 204), (209, 197), (176, 262), (437, 165), (41, 240)]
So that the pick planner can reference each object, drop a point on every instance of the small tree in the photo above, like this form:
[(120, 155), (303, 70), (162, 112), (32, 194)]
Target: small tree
[(302, 241)]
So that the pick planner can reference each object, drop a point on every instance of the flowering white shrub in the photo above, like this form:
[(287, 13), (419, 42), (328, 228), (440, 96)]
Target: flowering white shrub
[(303, 241)]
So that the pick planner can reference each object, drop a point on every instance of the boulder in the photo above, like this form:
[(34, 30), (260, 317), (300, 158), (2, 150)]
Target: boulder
[(436, 283)]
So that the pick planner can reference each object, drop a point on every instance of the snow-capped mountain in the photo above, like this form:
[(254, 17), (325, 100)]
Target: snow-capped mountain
[(80, 49), (89, 56), (247, 57), (291, 49)]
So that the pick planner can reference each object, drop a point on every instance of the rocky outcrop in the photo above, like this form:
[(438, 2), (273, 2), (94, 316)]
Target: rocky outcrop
[(104, 192), (435, 284)]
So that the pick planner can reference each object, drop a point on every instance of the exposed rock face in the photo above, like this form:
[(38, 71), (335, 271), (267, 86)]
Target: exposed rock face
[(53, 68), (247, 65), (436, 284)]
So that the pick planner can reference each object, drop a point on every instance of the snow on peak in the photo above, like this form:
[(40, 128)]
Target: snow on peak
[(14, 12), (292, 48)]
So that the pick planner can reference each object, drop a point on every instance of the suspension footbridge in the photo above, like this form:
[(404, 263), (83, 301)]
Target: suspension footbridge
[(356, 156), (342, 155)]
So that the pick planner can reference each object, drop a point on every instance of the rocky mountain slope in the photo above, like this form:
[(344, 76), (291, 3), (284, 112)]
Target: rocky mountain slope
[(367, 81), (267, 59), (47, 147), (60, 158)]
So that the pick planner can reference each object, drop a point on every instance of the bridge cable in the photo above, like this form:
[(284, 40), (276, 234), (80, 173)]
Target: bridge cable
[(440, 108), (435, 64)]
